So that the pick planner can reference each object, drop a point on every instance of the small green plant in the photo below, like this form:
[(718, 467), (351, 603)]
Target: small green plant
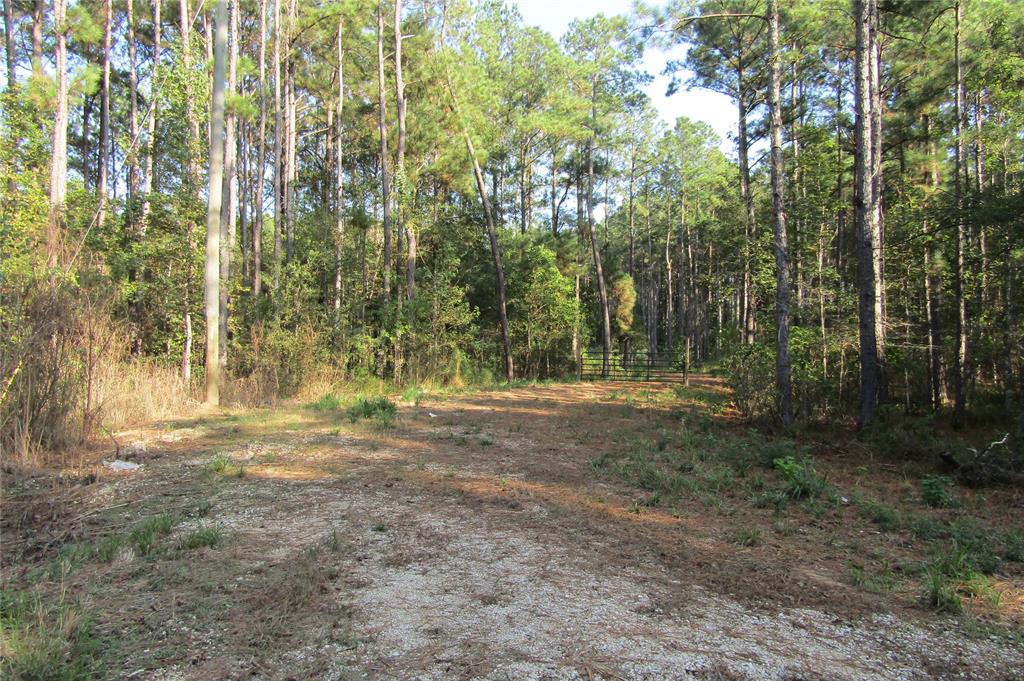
[(224, 466), (802, 481), (747, 536), (486, 441), (327, 402), (1013, 546), (925, 528), (887, 518), (941, 593), (413, 394), (47, 638), (380, 409), (144, 535), (204, 537), (937, 491), (379, 526), (776, 499)]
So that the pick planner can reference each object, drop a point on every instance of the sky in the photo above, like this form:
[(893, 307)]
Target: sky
[(717, 110)]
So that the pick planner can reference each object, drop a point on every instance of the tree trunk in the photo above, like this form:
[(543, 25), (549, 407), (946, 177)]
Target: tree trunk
[(12, 57), (877, 224), (230, 189), (185, 19), (865, 201), (747, 295), (133, 125), (402, 182), (38, 14), (960, 358), (261, 163), (339, 187), (279, 166), (385, 178), (213, 213), (150, 184), (602, 289), (104, 163), (783, 388), (59, 140)]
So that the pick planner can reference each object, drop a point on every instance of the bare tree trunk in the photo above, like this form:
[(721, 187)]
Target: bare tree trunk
[(279, 166), (185, 20), (492, 236), (291, 152), (385, 178), (104, 163), (747, 296), (213, 213), (960, 358), (339, 230), (602, 289), (38, 12), (783, 387), (133, 124), (149, 182), (59, 148), (12, 57), (877, 224), (261, 163), (866, 15), (402, 182), (230, 189)]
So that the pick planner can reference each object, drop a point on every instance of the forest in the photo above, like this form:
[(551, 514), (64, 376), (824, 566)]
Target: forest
[(263, 210)]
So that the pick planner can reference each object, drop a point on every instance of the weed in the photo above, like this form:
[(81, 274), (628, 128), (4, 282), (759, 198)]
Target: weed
[(204, 537), (884, 581), (379, 526), (925, 528), (224, 466), (801, 479), (886, 517), (47, 638), (145, 533), (940, 593), (327, 402), (747, 536), (936, 491), (1013, 546), (776, 499), (413, 394), (486, 442), (379, 409)]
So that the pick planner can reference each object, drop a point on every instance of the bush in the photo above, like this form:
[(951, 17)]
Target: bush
[(800, 477), (380, 409), (936, 491)]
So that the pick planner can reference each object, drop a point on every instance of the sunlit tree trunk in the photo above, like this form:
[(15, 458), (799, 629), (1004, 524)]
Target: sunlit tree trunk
[(12, 57), (385, 177), (865, 212), (59, 140), (595, 249), (783, 388), (230, 189), (279, 165), (104, 160), (213, 213), (403, 188), (261, 162), (339, 187), (150, 181), (960, 358)]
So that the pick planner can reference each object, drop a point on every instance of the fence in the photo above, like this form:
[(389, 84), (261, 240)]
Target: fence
[(638, 365)]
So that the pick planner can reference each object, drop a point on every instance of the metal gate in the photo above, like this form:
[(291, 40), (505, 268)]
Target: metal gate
[(638, 365)]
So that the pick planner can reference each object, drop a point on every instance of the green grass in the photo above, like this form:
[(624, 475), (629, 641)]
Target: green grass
[(887, 518), (224, 466), (47, 638), (379, 409), (937, 491), (747, 536), (327, 402), (801, 479), (204, 537)]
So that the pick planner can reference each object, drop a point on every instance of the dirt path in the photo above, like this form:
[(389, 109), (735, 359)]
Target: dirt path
[(473, 540)]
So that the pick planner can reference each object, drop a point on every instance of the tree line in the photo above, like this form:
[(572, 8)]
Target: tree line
[(436, 191)]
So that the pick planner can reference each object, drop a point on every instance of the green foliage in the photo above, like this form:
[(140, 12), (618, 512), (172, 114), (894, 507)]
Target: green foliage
[(887, 518), (204, 537), (379, 409), (224, 466), (747, 536), (937, 491), (802, 481), (46, 638), (327, 402)]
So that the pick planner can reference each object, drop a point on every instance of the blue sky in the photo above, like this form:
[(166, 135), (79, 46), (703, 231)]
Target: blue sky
[(714, 109)]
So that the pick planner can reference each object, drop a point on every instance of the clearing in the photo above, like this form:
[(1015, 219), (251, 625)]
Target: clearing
[(565, 531)]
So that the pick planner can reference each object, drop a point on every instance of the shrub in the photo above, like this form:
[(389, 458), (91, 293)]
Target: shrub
[(936, 491), (203, 537), (886, 517), (800, 477), (380, 409)]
